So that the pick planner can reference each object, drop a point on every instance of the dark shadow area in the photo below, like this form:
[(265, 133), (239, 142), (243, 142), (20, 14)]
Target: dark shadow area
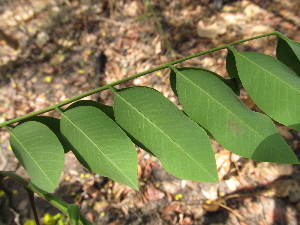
[(218, 217), (14, 203)]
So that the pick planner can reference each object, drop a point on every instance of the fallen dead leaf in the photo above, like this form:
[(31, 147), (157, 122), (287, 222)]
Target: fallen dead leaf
[(153, 194)]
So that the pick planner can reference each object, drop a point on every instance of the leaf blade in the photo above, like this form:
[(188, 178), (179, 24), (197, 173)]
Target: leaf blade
[(149, 118), (53, 124), (32, 143), (273, 86), (212, 104), (288, 52), (101, 143), (108, 110)]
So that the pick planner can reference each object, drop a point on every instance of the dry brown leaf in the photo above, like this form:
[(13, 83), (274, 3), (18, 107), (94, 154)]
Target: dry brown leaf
[(223, 159), (212, 205), (153, 194)]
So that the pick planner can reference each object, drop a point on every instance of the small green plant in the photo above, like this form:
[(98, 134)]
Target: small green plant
[(103, 137)]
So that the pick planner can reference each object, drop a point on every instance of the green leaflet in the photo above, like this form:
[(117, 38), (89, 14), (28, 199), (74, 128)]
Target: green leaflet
[(40, 152), (273, 86), (212, 104), (231, 65), (232, 72), (232, 82), (102, 145), (181, 145), (288, 52), (53, 124), (108, 110)]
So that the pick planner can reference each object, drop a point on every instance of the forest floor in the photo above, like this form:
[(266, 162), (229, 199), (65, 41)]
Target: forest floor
[(60, 48)]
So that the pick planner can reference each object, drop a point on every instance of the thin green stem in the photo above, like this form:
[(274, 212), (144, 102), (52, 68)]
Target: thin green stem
[(231, 48), (172, 67), (164, 66), (113, 89)]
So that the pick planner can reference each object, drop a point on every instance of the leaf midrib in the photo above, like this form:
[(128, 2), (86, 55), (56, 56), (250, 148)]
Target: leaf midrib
[(161, 131), (266, 71), (32, 158), (93, 143)]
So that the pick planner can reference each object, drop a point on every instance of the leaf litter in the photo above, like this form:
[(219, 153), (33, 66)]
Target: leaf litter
[(51, 65)]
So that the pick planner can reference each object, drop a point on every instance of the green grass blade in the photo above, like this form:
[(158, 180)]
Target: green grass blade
[(182, 146), (212, 104), (103, 146), (40, 152)]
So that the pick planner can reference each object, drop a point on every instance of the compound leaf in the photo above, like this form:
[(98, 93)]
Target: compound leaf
[(273, 86), (288, 52), (182, 146), (102, 145), (40, 152), (212, 104)]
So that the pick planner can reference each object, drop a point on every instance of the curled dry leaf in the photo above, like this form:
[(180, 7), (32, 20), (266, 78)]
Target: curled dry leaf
[(212, 205)]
